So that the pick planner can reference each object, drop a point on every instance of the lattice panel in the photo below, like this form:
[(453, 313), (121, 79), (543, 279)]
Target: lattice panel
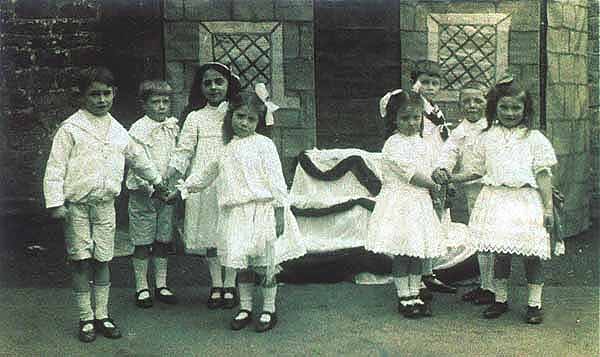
[(467, 53), (249, 55)]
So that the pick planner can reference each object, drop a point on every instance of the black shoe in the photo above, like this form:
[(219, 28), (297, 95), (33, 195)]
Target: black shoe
[(87, 336), (240, 324), (534, 315), (485, 298), (229, 303), (170, 299), (434, 284), (265, 326), (472, 295), (108, 328), (495, 310), (217, 302), (143, 303), (408, 311)]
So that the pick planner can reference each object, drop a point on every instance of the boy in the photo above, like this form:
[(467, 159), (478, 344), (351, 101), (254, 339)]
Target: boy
[(427, 81), (457, 153), (83, 176), (150, 219)]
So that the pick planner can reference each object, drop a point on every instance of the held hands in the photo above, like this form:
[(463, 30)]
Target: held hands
[(441, 176), (59, 212)]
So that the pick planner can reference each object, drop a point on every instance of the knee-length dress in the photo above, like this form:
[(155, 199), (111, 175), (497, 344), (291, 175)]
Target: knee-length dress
[(200, 142), (403, 221), (249, 183), (508, 216)]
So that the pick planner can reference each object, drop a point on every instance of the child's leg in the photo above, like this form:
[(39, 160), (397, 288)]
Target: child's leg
[(414, 276), (81, 290), (139, 260), (486, 269), (214, 267), (501, 275), (400, 275), (535, 280), (160, 256), (101, 289), (246, 287)]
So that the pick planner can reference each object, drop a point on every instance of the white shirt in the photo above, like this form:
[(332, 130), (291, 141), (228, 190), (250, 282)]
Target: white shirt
[(457, 152), (403, 156), (511, 157), (84, 166), (158, 140), (248, 170)]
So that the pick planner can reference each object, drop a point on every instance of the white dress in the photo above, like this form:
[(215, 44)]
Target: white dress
[(404, 221), (200, 142), (249, 184), (508, 214)]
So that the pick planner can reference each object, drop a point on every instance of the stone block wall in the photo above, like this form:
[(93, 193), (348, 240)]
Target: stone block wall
[(43, 44), (568, 107), (294, 129), (594, 111)]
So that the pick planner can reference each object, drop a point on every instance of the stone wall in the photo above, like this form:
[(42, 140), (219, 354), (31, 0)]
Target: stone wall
[(594, 80), (567, 104), (294, 130), (43, 44)]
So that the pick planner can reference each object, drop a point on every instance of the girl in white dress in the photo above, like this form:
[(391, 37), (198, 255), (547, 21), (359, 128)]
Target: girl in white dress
[(404, 224), (200, 142), (257, 226), (514, 209)]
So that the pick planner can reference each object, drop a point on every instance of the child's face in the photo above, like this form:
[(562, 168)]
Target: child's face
[(214, 87), (472, 104), (510, 110), (98, 98), (430, 85), (408, 120), (156, 107), (244, 121)]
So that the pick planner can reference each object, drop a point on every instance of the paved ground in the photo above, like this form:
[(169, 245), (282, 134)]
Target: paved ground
[(315, 319)]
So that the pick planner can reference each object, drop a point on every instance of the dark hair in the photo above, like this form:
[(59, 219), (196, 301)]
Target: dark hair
[(254, 103), (509, 89), (153, 87), (196, 99), (399, 102), (425, 66), (94, 74)]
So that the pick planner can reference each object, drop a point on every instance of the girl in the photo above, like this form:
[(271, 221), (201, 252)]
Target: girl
[(254, 205), (404, 223), (513, 212), (200, 143)]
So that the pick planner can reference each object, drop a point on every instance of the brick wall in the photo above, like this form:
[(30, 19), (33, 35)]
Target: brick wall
[(43, 44), (594, 80), (294, 130), (567, 106)]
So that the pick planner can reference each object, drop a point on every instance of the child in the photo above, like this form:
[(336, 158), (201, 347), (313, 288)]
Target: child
[(200, 142), (254, 204), (513, 212), (150, 220), (427, 81), (83, 176), (404, 223), (457, 152)]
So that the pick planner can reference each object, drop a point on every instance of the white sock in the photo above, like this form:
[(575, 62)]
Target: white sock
[(246, 291), (101, 294), (401, 286), (501, 287), (269, 294), (414, 284), (214, 267), (83, 300), (230, 274), (160, 271), (140, 272), (535, 295), (486, 269)]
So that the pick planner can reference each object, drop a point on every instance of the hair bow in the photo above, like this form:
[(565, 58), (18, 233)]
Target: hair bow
[(383, 102), (261, 91)]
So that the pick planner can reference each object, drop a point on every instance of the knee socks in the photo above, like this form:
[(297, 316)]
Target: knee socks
[(486, 269), (160, 271), (535, 295), (83, 300), (214, 268), (140, 272), (501, 290), (101, 294)]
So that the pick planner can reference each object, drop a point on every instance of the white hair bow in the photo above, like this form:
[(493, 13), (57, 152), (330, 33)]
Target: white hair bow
[(261, 91), (383, 102)]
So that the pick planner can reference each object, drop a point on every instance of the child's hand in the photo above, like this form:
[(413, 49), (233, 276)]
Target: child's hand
[(172, 197), (279, 221), (161, 191), (549, 221), (59, 212), (440, 176)]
